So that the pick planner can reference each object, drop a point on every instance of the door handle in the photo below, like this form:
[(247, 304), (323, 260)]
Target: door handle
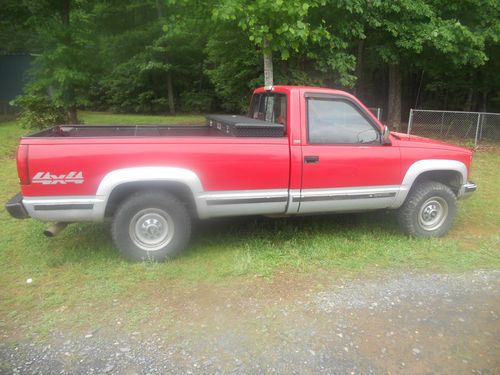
[(311, 159)]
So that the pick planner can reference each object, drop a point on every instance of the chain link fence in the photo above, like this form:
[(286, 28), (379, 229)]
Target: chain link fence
[(454, 125), (377, 112)]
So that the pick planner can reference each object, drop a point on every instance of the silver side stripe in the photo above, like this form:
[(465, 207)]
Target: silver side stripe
[(229, 203), (213, 202), (64, 208), (338, 197), (55, 207), (242, 202)]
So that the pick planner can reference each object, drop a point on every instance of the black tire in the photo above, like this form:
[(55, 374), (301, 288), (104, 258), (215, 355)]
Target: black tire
[(152, 226), (429, 210)]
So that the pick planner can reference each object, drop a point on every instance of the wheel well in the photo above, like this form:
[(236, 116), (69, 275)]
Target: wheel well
[(123, 191), (452, 179)]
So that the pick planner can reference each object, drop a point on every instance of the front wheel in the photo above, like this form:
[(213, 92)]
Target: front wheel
[(429, 210), (151, 226)]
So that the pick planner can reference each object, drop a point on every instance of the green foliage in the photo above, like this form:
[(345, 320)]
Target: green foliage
[(65, 35), (311, 45), (133, 87), (197, 101), (140, 57), (443, 50), (128, 56), (405, 29), (307, 34), (38, 111), (234, 67), (15, 34), (283, 23)]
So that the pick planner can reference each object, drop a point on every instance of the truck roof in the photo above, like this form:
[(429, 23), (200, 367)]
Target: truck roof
[(288, 88)]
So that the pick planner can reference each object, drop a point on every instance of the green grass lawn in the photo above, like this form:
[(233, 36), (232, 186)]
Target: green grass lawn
[(77, 275), (103, 118)]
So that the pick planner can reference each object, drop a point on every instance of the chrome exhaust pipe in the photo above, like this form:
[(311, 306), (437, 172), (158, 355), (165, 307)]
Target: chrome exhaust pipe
[(54, 229)]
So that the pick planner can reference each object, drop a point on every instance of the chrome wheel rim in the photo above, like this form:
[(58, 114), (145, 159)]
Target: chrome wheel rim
[(433, 213), (151, 229)]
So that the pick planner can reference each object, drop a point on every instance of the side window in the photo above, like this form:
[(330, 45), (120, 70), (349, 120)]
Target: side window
[(335, 121)]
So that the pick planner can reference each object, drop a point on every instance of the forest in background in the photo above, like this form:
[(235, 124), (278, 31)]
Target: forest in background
[(169, 56)]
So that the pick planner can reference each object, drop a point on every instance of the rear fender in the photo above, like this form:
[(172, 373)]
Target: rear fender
[(148, 174)]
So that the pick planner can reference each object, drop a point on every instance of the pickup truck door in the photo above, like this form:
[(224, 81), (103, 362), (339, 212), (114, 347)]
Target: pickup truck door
[(346, 167)]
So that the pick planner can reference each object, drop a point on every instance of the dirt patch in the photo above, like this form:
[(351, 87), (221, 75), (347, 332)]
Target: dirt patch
[(313, 324), (493, 147)]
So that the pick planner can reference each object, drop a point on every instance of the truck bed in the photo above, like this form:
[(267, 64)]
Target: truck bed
[(113, 131), (217, 126)]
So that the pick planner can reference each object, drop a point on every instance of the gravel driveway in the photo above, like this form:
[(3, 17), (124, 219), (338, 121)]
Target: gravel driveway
[(400, 323)]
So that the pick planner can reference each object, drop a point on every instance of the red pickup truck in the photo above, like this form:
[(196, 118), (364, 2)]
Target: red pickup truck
[(301, 150)]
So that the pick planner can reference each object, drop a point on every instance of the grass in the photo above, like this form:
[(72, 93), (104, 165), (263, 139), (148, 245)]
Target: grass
[(10, 132), (103, 118), (78, 275)]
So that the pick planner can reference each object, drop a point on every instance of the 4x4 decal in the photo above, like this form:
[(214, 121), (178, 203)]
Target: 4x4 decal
[(46, 178)]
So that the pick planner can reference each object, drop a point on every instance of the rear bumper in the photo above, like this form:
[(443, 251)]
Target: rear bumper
[(467, 189), (16, 208)]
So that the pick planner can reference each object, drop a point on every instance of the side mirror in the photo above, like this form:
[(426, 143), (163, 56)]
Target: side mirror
[(385, 136)]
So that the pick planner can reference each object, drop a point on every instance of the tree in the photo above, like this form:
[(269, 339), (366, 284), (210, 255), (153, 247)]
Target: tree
[(233, 66), (128, 80), (467, 75), (153, 55), (64, 67), (156, 56), (406, 33), (274, 26), (15, 32)]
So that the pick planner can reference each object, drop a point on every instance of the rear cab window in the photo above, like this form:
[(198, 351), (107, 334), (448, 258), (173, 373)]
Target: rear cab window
[(270, 107)]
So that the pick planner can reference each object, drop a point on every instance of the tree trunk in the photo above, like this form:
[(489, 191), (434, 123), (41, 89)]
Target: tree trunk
[(484, 101), (170, 88), (359, 67), (468, 101), (159, 9), (417, 98), (72, 115), (268, 65), (394, 112), (170, 93), (65, 12)]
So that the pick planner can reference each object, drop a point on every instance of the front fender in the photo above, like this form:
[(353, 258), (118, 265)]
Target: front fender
[(422, 166)]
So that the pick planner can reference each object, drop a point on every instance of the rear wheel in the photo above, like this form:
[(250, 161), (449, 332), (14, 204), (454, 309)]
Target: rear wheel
[(429, 210), (151, 226)]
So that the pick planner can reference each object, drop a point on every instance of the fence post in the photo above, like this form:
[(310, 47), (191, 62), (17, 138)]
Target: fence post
[(442, 123), (410, 120), (477, 128), (481, 127)]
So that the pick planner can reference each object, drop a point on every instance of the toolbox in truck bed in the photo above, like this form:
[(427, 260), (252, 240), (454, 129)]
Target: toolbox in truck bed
[(242, 126)]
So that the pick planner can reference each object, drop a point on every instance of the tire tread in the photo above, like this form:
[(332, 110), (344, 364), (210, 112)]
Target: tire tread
[(418, 194), (128, 249)]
